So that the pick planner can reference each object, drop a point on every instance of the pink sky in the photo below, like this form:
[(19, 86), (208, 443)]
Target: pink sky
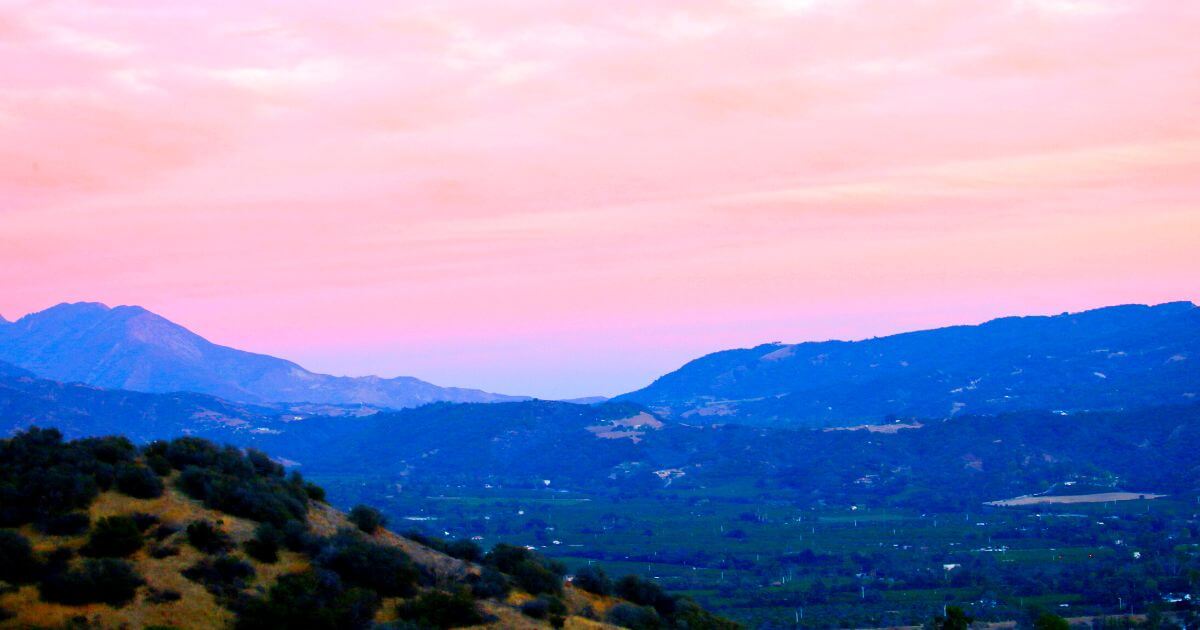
[(568, 198)]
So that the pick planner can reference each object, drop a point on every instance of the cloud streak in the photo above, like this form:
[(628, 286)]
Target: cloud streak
[(565, 198)]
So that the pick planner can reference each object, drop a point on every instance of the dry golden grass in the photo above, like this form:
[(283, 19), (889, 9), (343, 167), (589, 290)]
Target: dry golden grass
[(577, 599)]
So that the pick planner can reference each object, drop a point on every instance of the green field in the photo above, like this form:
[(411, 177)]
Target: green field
[(765, 558)]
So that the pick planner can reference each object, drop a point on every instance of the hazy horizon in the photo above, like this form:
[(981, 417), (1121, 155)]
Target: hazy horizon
[(571, 200), (581, 391)]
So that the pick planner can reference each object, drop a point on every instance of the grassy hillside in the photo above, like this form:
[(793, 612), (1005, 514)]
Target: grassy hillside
[(186, 534)]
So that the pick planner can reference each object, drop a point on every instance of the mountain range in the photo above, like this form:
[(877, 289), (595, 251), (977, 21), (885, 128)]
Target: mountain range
[(1108, 358), (757, 461), (130, 348), (623, 446)]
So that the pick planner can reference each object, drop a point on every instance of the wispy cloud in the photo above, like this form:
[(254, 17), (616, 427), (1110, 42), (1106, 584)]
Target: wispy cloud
[(412, 175)]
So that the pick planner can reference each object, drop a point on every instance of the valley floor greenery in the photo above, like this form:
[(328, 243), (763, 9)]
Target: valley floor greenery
[(774, 559)]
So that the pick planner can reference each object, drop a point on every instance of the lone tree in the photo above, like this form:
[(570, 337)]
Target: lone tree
[(367, 518)]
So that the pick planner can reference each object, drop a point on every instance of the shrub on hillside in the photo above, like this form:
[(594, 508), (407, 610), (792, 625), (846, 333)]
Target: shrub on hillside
[(297, 537), (464, 550), (490, 583), (264, 547), (314, 600), (104, 580), (262, 464), (439, 609), (634, 617), (163, 551), (113, 537), (386, 570), (43, 476), (164, 531), (187, 451), (159, 464), (551, 609), (241, 492), (367, 518), (644, 592), (536, 578), (223, 576), (593, 579), (506, 557), (17, 563), (65, 524), (314, 492), (689, 614), (138, 482), (162, 596), (144, 521), (532, 572), (207, 537)]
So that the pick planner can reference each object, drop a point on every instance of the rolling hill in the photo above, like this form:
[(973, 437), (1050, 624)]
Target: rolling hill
[(130, 348), (187, 534), (1109, 358)]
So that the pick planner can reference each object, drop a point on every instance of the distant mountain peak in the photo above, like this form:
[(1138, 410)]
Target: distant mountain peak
[(129, 347)]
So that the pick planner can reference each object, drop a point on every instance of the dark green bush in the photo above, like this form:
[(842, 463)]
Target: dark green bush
[(506, 557), (689, 614), (242, 493), (57, 560), (223, 576), (109, 450), (138, 481), (367, 518), (207, 537), (645, 593), (163, 551), (386, 570), (634, 617), (66, 524), (262, 464), (144, 521), (113, 537), (544, 607), (43, 476), (490, 583), (296, 537), (164, 531), (189, 451), (163, 596), (532, 572), (159, 464), (264, 547), (314, 492), (314, 600), (534, 578), (464, 550), (439, 609), (17, 563), (103, 580), (537, 608), (593, 579)]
